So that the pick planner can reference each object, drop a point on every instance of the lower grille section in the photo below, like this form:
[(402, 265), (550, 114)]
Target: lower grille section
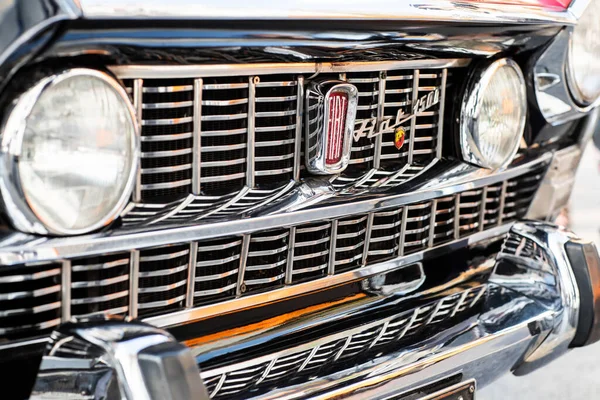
[(161, 280), (298, 364)]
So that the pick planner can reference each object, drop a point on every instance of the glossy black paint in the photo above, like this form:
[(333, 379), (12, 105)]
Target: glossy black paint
[(239, 42), (25, 28)]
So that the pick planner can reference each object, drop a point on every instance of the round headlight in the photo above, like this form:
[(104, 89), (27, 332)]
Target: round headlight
[(583, 66), (69, 151), (493, 115)]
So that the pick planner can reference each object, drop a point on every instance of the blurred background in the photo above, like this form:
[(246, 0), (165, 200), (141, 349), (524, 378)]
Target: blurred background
[(576, 375)]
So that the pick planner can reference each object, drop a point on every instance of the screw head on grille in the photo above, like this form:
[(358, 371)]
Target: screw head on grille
[(330, 115)]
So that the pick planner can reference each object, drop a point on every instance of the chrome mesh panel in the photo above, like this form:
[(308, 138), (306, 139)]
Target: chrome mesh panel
[(301, 362), (183, 275)]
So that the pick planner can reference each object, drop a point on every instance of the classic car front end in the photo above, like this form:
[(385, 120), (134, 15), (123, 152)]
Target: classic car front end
[(291, 200)]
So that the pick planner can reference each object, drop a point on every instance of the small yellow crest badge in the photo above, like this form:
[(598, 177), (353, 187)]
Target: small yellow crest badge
[(399, 138)]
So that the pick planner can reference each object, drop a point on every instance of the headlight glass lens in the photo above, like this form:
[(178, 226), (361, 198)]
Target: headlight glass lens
[(493, 115), (584, 56), (78, 153)]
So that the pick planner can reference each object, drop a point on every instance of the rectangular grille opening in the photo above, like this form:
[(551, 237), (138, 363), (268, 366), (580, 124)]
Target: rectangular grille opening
[(267, 258), (492, 206), (398, 96), (30, 300), (217, 268), (444, 220), (100, 285), (163, 276), (275, 129), (385, 235), (416, 234), (224, 135), (167, 113), (363, 150), (350, 243), (311, 251), (470, 211)]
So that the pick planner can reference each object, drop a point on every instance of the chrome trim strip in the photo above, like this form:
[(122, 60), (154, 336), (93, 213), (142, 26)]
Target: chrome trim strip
[(191, 278), (459, 179), (138, 85), (65, 281), (440, 134), (299, 116), (134, 270), (409, 10), (196, 138), (187, 71), (250, 166), (289, 271), (332, 247), (203, 312), (413, 121), (240, 287)]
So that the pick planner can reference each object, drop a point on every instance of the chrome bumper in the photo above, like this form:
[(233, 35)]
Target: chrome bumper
[(543, 298)]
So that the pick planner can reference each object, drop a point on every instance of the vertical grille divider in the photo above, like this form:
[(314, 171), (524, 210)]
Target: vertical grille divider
[(289, 268), (402, 230), (138, 85), (242, 270), (380, 115), (457, 216), (482, 208), (65, 299), (196, 136), (441, 113), (134, 272), (367, 238), (298, 138), (250, 181), (502, 201), (332, 247), (415, 97), (191, 279), (432, 222)]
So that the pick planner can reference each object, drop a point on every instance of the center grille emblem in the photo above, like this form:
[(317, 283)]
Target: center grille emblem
[(330, 115)]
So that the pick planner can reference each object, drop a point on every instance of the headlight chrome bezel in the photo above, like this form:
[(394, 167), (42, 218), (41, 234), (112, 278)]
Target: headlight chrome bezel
[(17, 208), (581, 103), (470, 112)]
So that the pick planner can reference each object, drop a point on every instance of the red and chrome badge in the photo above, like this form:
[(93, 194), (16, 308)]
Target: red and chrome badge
[(399, 137), (330, 114)]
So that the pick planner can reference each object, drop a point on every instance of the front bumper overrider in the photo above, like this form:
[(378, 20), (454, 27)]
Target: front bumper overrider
[(542, 298)]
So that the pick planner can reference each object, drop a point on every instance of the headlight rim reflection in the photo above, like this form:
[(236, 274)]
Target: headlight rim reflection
[(21, 214), (470, 111)]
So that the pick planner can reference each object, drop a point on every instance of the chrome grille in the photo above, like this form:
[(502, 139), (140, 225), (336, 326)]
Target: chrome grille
[(217, 269), (100, 285), (162, 277), (158, 281), (301, 362), (219, 142), (311, 251), (30, 299)]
